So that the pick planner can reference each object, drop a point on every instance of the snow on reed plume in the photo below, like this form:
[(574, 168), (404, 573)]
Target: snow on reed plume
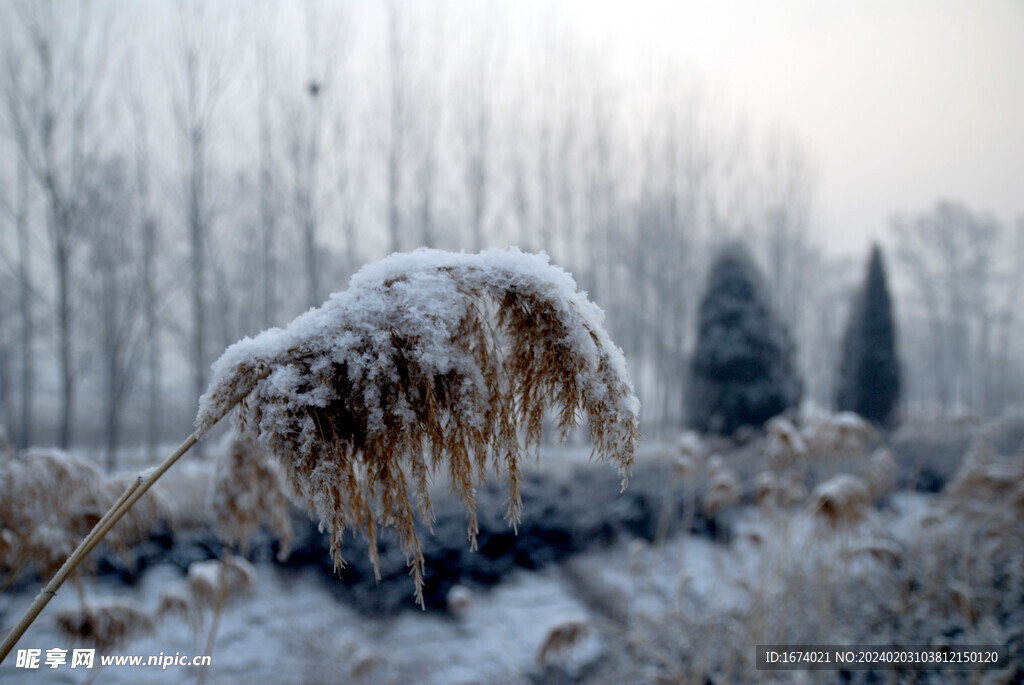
[(430, 361), (249, 491)]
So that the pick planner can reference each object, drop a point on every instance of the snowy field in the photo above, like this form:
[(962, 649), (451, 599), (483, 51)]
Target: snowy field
[(762, 564)]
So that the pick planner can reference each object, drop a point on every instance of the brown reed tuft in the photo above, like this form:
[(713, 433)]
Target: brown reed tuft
[(844, 433), (105, 624), (430, 362), (249, 492), (778, 491), (841, 500), (205, 589), (724, 489), (783, 443), (48, 501), (562, 637)]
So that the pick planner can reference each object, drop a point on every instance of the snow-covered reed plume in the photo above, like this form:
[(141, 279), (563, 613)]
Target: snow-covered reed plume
[(430, 361), (249, 492)]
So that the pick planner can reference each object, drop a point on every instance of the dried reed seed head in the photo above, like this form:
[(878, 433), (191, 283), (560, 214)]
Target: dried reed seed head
[(138, 522), (843, 499), (429, 362), (881, 472), (984, 475), (561, 638), (773, 491), (49, 500), (176, 602), (215, 580), (104, 624), (783, 443), (724, 490), (249, 492), (843, 433)]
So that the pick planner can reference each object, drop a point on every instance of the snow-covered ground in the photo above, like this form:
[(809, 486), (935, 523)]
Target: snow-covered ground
[(903, 568)]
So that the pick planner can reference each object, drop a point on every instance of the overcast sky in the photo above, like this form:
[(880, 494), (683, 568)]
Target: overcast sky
[(898, 103)]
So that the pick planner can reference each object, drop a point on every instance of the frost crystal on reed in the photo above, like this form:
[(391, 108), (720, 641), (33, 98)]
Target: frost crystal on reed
[(430, 361)]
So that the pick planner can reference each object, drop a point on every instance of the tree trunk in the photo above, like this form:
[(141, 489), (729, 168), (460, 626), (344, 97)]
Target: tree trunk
[(27, 320)]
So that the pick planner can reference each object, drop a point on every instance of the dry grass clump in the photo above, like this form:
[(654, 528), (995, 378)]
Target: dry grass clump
[(724, 489), (778, 491), (249, 492), (218, 579), (985, 476), (429, 362), (880, 472), (783, 445), (205, 589), (48, 501), (139, 521), (844, 433), (104, 625), (841, 500), (561, 638)]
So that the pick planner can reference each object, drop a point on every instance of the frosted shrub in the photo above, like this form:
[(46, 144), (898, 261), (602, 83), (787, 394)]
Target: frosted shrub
[(430, 361), (742, 371)]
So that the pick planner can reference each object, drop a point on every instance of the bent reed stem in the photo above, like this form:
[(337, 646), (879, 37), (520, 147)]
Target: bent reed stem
[(125, 502)]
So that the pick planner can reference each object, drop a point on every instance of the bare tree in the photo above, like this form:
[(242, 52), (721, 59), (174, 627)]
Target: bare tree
[(398, 96), (268, 190), (147, 225), (200, 84), (305, 154), (426, 123), (52, 92), (20, 300), (1007, 319), (948, 255), (114, 258)]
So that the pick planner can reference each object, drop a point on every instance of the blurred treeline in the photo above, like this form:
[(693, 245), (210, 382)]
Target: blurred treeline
[(178, 175)]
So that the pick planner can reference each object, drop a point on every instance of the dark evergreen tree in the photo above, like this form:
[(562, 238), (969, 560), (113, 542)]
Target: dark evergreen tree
[(869, 371), (742, 370)]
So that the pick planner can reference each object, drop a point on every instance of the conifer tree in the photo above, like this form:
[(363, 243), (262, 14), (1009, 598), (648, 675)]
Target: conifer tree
[(742, 371), (869, 372)]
